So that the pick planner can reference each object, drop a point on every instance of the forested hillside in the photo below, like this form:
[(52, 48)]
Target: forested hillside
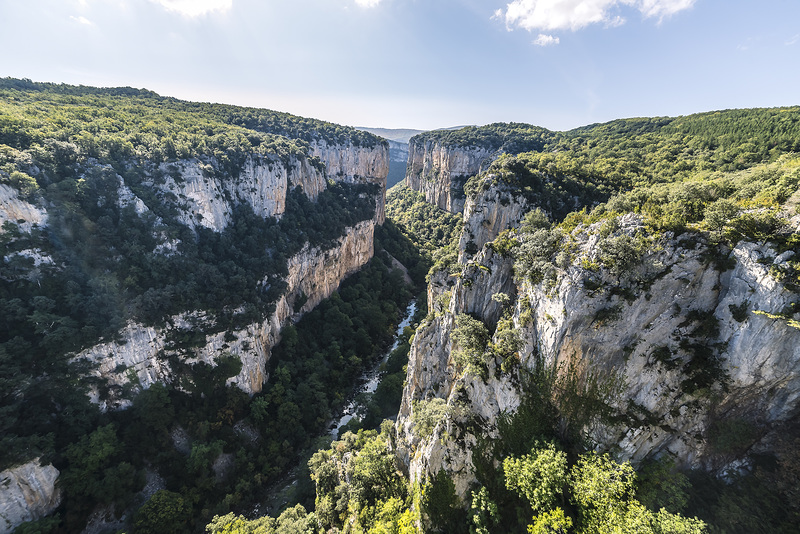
[(613, 156)]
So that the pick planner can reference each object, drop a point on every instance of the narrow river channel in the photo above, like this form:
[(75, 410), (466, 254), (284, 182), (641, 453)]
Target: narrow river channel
[(370, 379)]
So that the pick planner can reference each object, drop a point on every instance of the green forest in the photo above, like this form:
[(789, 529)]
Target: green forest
[(197, 455)]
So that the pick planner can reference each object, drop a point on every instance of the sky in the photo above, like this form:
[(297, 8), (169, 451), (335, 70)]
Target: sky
[(421, 64)]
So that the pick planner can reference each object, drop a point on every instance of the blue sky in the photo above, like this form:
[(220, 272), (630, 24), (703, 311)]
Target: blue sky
[(421, 63)]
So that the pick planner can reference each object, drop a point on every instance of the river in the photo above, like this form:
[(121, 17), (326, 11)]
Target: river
[(370, 379), (281, 491)]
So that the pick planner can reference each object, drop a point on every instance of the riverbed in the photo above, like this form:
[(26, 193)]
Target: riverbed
[(371, 378)]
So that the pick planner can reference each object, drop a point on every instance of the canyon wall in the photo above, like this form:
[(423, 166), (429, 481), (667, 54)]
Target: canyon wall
[(439, 171), (678, 338)]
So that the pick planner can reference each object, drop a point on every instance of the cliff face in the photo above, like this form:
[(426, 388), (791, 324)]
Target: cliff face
[(206, 197), (140, 356), (27, 493), (676, 333), (486, 215), (355, 164), (18, 211), (440, 171)]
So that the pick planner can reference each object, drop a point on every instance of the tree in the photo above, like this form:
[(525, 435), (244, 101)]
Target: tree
[(552, 522), (540, 476), (470, 338), (601, 488), (165, 512)]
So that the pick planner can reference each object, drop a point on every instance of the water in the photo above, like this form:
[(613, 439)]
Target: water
[(281, 491), (372, 377)]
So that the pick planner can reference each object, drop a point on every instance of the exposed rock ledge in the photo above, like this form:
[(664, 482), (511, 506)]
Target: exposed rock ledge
[(27, 492)]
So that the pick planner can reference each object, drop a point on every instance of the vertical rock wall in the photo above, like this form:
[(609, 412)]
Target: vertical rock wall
[(440, 171)]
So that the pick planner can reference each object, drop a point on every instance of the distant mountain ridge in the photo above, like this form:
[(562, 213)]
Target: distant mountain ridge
[(400, 135)]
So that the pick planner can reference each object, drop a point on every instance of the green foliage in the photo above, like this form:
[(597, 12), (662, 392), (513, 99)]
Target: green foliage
[(621, 253), (661, 486), (601, 488), (556, 183), (484, 513), (504, 244), (26, 185), (356, 480), (45, 525), (506, 343), (535, 255), (552, 522), (507, 137), (540, 476), (603, 491), (739, 311), (535, 219), (97, 472), (441, 504), (732, 436), (427, 414), (470, 338), (293, 520), (434, 232), (164, 513)]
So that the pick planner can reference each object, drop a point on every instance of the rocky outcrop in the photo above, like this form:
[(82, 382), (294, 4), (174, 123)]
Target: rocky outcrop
[(27, 492), (439, 171), (207, 197), (677, 334), (356, 164), (487, 214), (18, 211), (140, 356)]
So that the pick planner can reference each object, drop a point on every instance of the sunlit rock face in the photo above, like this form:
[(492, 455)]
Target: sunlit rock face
[(440, 171), (643, 330)]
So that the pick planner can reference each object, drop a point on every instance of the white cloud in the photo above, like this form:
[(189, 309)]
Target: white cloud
[(82, 20), (662, 8), (793, 40), (194, 8), (368, 3), (573, 15), (546, 40)]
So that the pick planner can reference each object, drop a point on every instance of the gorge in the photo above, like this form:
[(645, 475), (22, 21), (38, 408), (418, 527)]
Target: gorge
[(191, 291)]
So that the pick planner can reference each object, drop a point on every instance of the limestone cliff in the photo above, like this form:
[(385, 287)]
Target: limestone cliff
[(205, 196), (487, 214), (440, 171), (140, 357), (356, 164), (27, 492), (677, 333)]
